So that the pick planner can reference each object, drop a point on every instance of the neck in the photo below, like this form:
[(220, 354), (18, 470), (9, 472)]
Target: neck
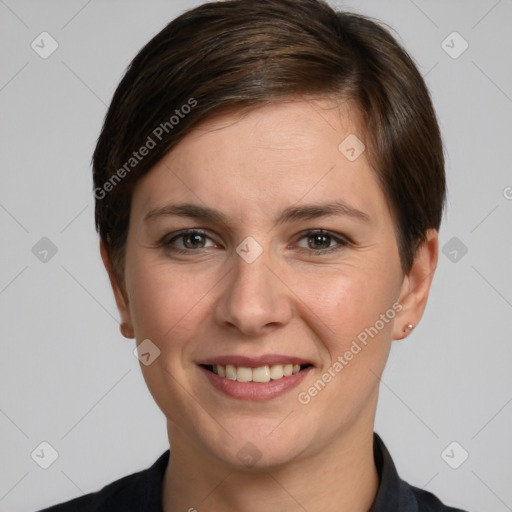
[(343, 476)]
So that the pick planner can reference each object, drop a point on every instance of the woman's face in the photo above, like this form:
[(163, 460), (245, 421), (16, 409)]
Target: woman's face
[(263, 284)]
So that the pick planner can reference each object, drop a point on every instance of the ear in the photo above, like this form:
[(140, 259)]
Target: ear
[(120, 294), (416, 286)]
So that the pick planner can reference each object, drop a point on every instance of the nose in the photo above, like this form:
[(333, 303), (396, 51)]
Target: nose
[(255, 298)]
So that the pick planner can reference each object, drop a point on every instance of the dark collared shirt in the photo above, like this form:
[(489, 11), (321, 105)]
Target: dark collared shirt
[(142, 491)]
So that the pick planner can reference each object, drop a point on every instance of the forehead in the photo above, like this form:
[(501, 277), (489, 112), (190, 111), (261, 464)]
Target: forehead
[(267, 158), (291, 124)]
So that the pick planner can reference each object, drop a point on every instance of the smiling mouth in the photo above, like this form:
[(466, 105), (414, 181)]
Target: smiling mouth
[(261, 374)]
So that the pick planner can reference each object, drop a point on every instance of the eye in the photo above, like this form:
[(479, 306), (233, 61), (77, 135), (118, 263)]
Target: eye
[(318, 242), (189, 240)]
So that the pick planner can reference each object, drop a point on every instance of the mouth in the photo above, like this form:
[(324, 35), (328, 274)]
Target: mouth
[(261, 374), (255, 379)]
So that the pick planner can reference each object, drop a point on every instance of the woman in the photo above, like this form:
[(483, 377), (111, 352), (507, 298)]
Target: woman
[(269, 187)]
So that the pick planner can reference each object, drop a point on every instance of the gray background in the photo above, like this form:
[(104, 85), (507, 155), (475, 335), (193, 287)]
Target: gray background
[(69, 378)]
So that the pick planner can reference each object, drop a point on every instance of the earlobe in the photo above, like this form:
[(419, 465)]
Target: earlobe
[(120, 294), (416, 286), (126, 330)]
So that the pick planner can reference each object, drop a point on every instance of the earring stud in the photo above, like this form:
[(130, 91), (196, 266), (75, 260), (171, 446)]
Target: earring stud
[(409, 327)]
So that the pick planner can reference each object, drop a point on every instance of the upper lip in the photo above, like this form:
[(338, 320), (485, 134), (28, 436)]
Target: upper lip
[(254, 362)]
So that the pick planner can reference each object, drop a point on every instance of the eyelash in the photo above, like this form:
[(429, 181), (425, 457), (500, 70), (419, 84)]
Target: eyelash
[(342, 242)]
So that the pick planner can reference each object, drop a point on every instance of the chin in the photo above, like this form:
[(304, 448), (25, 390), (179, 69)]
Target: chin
[(254, 458), (260, 445)]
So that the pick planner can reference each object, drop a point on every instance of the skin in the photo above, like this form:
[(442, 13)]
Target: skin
[(210, 302)]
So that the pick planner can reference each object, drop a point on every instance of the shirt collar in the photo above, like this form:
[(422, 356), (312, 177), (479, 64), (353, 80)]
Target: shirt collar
[(393, 493)]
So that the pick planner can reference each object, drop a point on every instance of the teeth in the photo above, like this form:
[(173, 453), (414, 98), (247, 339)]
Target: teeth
[(230, 371), (276, 371), (260, 374), (243, 374)]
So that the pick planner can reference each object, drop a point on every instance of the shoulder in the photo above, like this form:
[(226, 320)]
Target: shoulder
[(397, 494), (113, 496), (138, 491), (428, 502)]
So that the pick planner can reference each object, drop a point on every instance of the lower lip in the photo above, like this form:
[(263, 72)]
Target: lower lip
[(255, 391)]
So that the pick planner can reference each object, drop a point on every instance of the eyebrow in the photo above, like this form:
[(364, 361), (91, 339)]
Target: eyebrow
[(290, 214)]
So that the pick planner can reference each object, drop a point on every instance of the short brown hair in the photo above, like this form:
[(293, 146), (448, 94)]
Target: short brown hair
[(241, 54)]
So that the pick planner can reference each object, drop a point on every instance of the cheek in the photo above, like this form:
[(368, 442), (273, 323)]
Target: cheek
[(165, 308), (344, 310), (354, 320), (165, 302), (348, 300)]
